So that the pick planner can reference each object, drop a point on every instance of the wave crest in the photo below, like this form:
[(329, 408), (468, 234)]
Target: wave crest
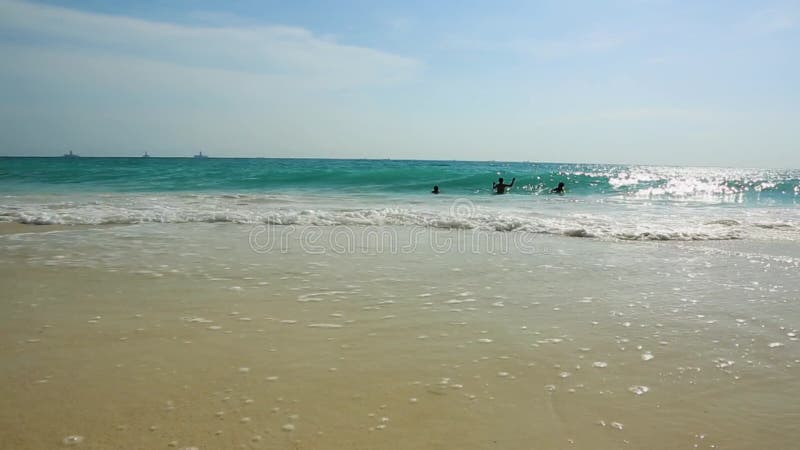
[(580, 221)]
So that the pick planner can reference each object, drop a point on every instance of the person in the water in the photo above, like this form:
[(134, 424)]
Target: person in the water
[(558, 190), (500, 188), (435, 189)]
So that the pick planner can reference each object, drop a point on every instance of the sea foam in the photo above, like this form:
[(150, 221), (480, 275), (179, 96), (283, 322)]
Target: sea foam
[(534, 216)]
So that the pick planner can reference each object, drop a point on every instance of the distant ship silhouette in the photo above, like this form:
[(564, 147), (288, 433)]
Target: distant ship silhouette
[(145, 155), (71, 155), (200, 155)]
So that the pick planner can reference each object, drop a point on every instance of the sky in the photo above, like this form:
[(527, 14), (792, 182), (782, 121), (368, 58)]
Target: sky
[(712, 83)]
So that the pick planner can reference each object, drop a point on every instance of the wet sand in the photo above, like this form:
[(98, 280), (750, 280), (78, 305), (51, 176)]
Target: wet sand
[(14, 228), (182, 336)]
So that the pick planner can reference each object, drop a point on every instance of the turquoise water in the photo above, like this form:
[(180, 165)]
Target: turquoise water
[(602, 201), (393, 177)]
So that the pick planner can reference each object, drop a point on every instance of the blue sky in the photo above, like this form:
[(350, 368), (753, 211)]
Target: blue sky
[(620, 81)]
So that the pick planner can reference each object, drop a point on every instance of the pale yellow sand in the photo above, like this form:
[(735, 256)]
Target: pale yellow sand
[(192, 340)]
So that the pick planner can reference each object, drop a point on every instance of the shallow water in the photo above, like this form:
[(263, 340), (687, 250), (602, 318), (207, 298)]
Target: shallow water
[(150, 336)]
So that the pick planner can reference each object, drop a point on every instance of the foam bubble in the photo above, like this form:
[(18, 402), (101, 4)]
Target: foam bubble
[(72, 440), (324, 325), (639, 390), (723, 363)]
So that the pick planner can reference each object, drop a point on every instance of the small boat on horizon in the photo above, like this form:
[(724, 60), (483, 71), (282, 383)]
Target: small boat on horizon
[(200, 155), (71, 155), (145, 155)]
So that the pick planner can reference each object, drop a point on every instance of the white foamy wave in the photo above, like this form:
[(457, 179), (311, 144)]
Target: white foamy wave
[(578, 220)]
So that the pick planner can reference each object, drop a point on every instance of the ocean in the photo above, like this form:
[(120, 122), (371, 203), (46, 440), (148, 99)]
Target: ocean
[(601, 201), (338, 304)]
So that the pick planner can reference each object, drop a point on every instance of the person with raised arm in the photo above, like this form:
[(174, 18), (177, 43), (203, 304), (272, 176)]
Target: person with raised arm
[(500, 188)]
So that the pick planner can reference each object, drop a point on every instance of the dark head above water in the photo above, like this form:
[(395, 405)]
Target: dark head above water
[(435, 189), (559, 189)]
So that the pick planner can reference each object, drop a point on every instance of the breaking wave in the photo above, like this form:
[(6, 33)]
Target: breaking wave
[(573, 220)]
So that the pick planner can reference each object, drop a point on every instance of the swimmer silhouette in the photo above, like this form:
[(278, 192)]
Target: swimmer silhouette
[(435, 189), (558, 190), (500, 187)]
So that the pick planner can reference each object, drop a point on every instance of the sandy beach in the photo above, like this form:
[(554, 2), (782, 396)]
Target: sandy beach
[(521, 225), (153, 337)]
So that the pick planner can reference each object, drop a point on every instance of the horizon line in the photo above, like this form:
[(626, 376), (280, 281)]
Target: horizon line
[(207, 156)]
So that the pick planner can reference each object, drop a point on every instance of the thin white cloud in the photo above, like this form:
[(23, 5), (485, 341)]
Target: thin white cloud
[(266, 50), (116, 85), (74, 70)]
